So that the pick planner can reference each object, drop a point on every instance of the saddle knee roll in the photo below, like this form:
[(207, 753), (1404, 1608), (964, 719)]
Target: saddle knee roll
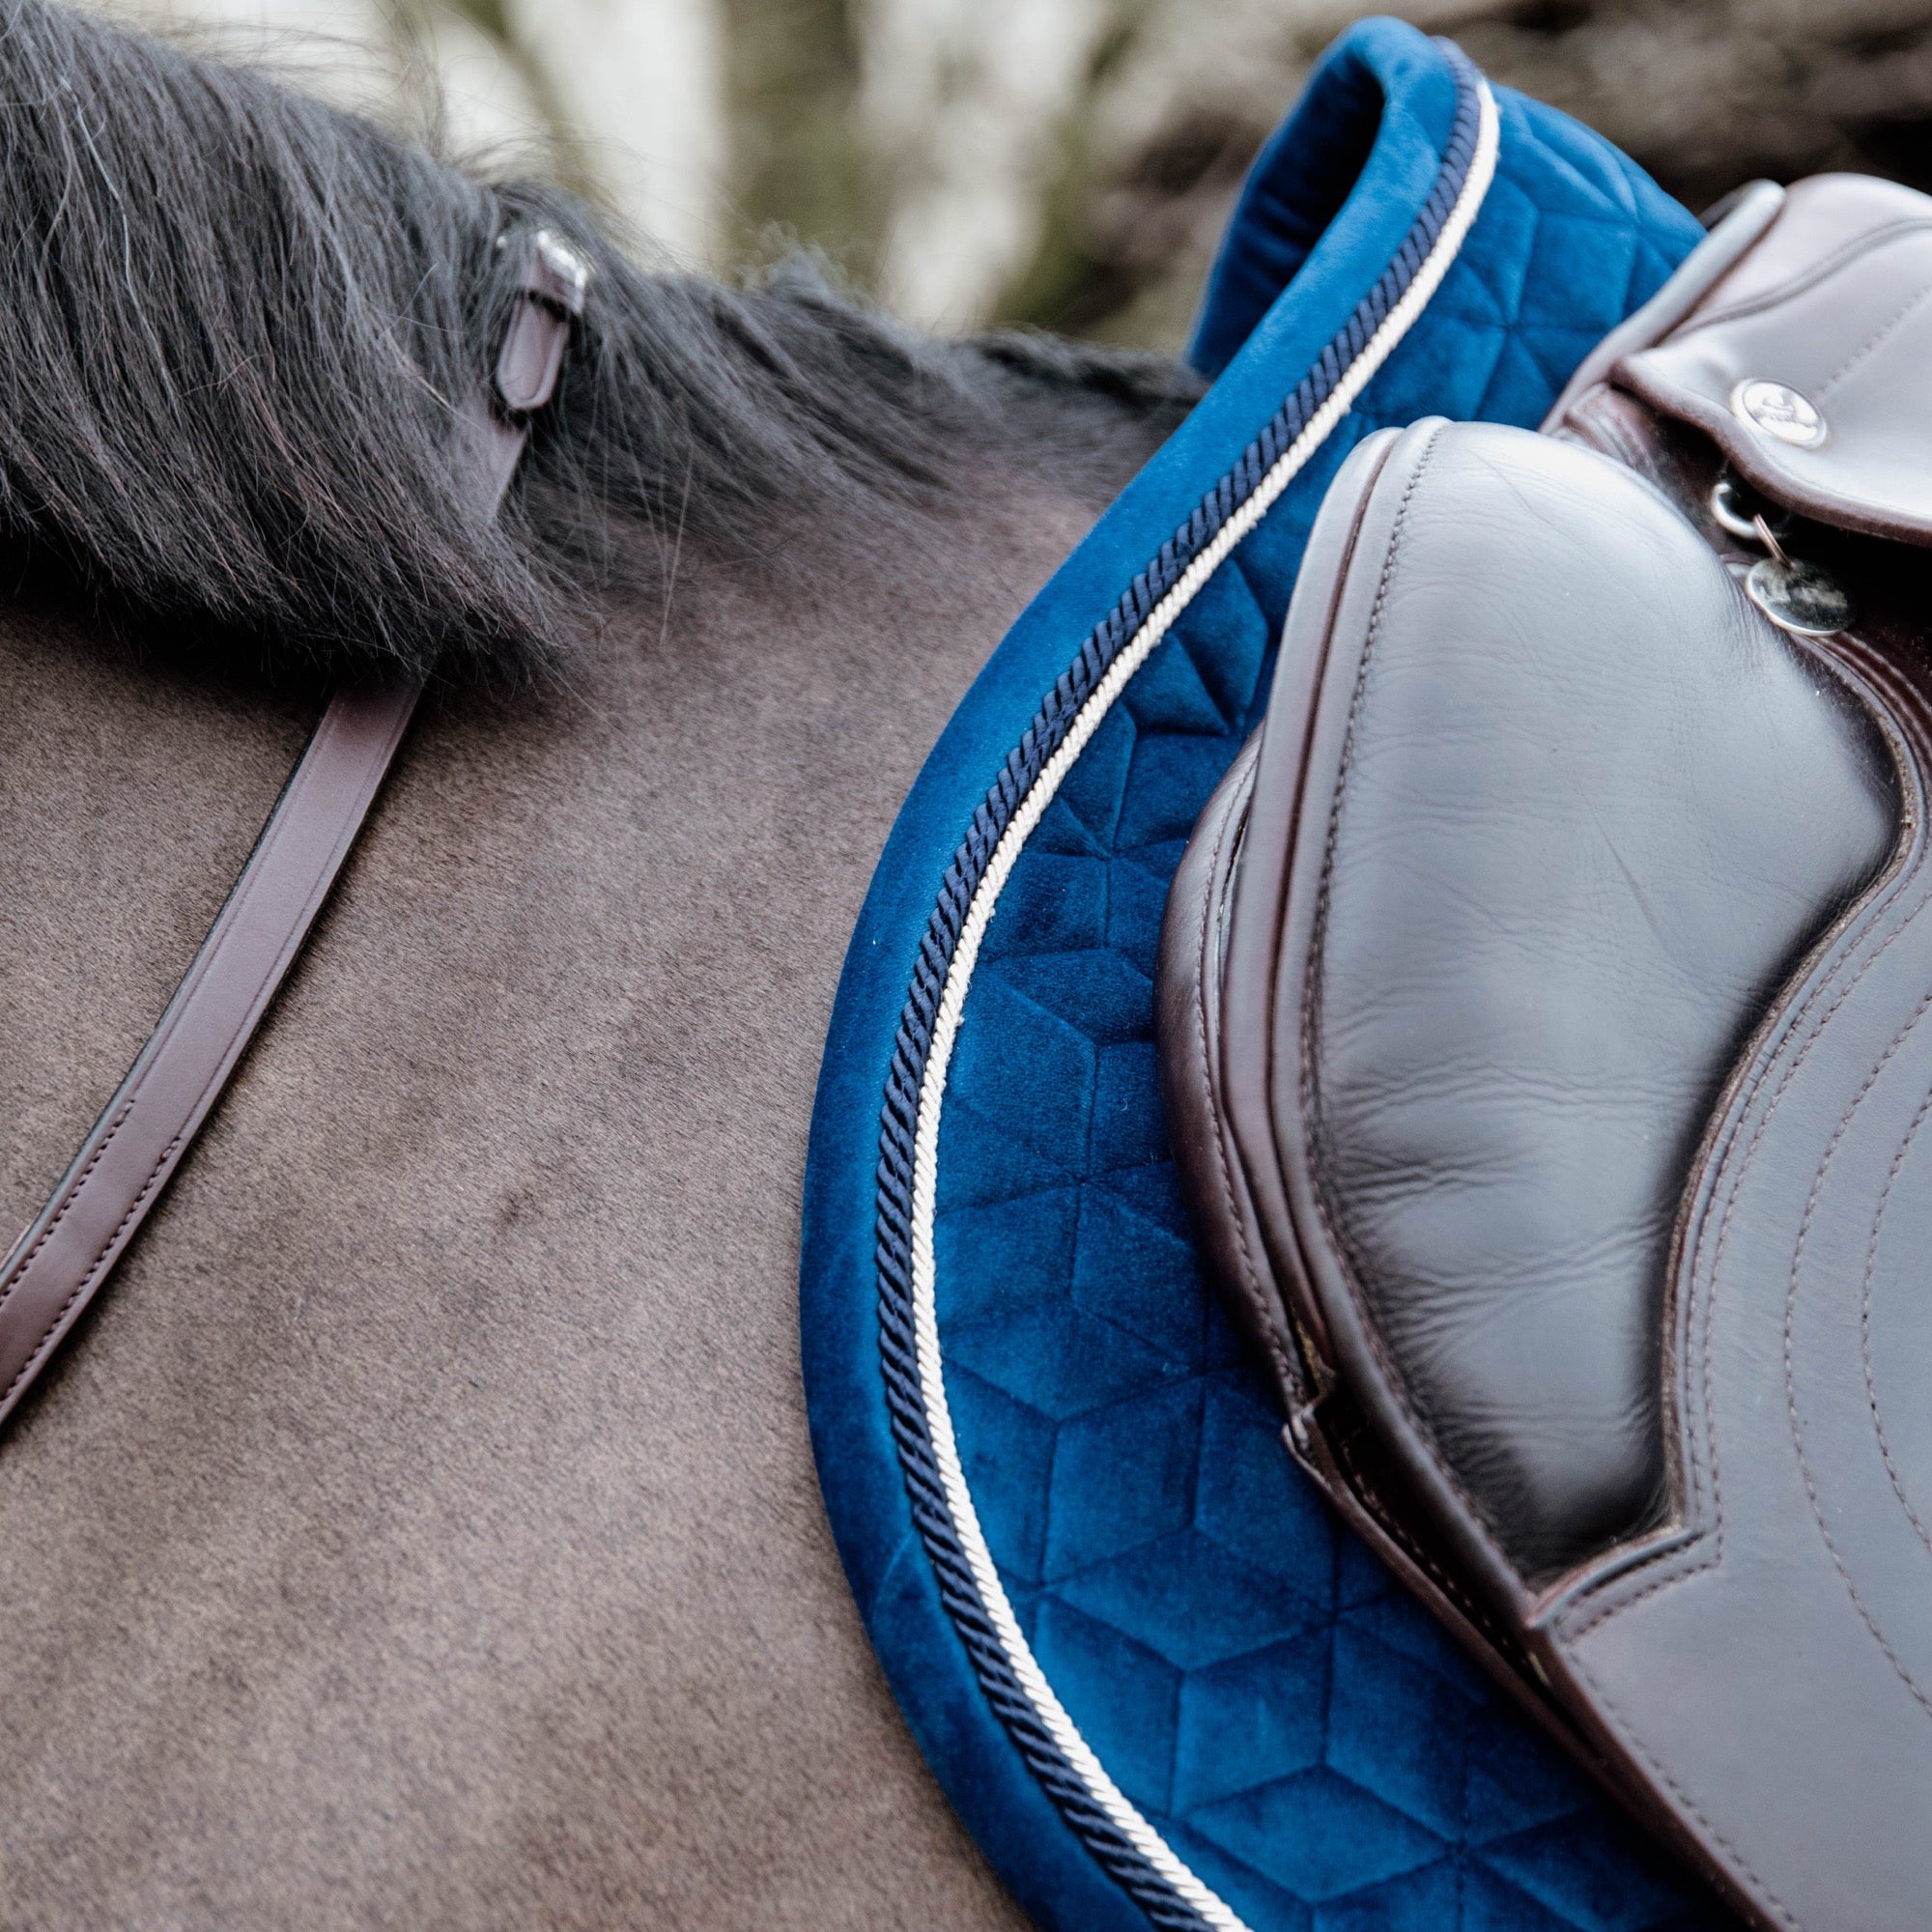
[(1546, 1036)]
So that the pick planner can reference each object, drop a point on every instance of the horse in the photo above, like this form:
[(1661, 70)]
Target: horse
[(422, 1528)]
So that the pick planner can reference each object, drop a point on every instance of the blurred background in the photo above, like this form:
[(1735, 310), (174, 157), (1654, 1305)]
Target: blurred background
[(1066, 163)]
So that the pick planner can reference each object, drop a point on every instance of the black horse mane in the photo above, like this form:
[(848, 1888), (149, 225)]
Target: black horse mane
[(239, 323)]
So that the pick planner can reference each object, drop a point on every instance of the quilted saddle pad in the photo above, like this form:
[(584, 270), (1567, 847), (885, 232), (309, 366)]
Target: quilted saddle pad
[(1156, 1679)]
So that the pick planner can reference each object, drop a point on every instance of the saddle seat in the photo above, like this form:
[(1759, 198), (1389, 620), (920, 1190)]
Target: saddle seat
[(1544, 1041)]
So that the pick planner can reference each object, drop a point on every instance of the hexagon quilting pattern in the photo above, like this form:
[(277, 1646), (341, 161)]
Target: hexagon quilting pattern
[(1297, 1728)]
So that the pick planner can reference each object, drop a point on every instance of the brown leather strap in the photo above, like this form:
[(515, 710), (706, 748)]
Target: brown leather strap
[(139, 1140), (122, 1167)]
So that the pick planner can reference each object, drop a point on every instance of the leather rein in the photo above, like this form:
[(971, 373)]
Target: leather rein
[(127, 1158)]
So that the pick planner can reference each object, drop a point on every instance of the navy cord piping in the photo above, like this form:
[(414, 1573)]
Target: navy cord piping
[(1116, 1853)]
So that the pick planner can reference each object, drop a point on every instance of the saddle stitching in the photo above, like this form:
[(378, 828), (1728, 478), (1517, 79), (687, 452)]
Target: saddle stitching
[(1574, 1631), (1864, 1321), (1796, 1426), (85, 1286), (1250, 1276), (72, 1194), (1884, 899), (1713, 1532), (1852, 361), (1311, 996), (248, 887), (1634, 1743), (1806, 278), (1389, 1521)]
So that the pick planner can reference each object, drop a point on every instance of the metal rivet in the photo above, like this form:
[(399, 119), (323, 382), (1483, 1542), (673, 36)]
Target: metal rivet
[(1798, 597), (563, 261), (1779, 412), (1735, 507)]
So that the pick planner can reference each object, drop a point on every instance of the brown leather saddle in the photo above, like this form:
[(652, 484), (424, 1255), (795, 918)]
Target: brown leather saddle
[(1546, 1037)]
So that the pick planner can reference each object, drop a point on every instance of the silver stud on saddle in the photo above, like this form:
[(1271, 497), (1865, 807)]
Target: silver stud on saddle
[(1795, 596), (1798, 596), (1778, 410)]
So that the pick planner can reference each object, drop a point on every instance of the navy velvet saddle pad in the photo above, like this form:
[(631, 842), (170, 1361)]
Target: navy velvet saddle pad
[(1157, 1679)]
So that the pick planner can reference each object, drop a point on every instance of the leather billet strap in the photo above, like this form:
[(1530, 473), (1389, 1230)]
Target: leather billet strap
[(58, 1264)]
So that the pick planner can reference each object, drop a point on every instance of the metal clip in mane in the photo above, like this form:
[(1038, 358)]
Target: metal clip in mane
[(568, 268), (551, 300)]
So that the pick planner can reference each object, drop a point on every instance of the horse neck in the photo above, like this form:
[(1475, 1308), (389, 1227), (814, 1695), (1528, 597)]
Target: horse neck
[(439, 1441)]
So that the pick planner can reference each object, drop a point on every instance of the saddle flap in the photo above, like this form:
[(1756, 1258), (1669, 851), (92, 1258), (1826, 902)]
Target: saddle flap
[(1810, 363)]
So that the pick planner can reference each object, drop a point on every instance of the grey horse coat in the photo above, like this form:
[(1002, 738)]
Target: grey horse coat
[(423, 1531)]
